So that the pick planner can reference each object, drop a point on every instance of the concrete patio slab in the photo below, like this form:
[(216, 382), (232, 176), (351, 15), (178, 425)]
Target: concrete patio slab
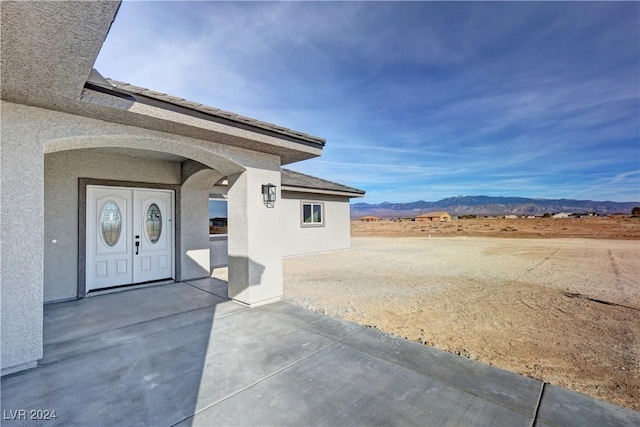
[(161, 379), (561, 407), (211, 285), (495, 385), (102, 313), (331, 327), (177, 354), (103, 340), (342, 386), (107, 320)]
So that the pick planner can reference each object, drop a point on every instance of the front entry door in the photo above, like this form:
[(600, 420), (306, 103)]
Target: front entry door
[(129, 236)]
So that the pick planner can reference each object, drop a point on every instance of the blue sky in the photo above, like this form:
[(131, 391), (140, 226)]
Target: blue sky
[(416, 100)]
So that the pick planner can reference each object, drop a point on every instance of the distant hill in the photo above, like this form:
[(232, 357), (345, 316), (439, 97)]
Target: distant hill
[(486, 205)]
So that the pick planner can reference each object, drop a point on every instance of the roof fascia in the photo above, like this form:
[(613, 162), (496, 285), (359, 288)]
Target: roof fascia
[(319, 191)]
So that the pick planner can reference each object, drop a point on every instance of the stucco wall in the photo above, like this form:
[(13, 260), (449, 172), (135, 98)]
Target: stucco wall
[(21, 202), (61, 173), (194, 252), (255, 245), (219, 251), (298, 240)]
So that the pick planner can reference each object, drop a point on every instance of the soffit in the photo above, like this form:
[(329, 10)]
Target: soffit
[(49, 48)]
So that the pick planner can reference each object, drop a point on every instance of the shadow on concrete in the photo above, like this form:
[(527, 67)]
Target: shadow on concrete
[(150, 356), (141, 356)]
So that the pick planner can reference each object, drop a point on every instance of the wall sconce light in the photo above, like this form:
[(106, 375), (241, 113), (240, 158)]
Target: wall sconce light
[(269, 194)]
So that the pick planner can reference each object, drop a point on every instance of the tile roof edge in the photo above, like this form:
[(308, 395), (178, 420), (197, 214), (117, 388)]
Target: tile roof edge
[(212, 111), (348, 189), (291, 187)]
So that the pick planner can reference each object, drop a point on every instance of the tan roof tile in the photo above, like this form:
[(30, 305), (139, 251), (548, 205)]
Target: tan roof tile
[(296, 179)]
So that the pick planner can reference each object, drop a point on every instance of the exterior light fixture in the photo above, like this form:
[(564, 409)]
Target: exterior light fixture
[(269, 195)]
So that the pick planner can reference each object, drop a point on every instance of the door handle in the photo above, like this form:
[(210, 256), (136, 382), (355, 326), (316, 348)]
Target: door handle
[(137, 247)]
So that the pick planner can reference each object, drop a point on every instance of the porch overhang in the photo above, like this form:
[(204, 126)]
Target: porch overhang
[(126, 104)]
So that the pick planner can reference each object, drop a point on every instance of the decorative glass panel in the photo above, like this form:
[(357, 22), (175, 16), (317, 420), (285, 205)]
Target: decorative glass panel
[(153, 223), (111, 223)]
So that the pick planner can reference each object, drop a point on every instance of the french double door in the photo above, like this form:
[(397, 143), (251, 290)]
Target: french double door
[(130, 234)]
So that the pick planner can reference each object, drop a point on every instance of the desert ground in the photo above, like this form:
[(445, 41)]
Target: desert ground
[(554, 299), (626, 228)]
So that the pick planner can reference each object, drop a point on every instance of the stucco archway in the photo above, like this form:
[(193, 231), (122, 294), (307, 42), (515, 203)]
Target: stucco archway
[(70, 164), (217, 161)]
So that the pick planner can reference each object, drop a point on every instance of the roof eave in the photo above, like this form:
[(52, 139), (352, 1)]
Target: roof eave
[(138, 110), (322, 191), (156, 98)]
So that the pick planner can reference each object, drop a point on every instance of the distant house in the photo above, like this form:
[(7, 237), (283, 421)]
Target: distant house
[(510, 216), (434, 217), (369, 218), (561, 215), (584, 215)]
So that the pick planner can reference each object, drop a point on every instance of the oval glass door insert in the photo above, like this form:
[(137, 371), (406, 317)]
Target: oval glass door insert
[(110, 224), (153, 223)]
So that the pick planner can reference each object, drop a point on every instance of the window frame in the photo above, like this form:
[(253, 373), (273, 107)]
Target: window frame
[(312, 203), (220, 198)]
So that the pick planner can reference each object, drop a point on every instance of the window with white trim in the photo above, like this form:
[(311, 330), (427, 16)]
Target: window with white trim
[(312, 214), (217, 216)]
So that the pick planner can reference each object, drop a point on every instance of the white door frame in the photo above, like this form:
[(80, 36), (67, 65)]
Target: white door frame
[(82, 226)]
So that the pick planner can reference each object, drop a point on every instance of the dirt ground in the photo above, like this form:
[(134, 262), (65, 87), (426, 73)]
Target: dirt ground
[(626, 228), (562, 310)]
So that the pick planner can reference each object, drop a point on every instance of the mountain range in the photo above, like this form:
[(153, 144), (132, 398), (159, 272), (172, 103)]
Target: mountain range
[(487, 205)]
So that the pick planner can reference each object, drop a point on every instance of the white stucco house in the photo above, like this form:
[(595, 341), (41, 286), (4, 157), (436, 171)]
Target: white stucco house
[(104, 184)]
